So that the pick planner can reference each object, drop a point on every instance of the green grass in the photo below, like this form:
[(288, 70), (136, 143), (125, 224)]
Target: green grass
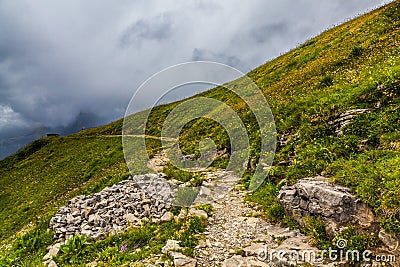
[(133, 245), (36, 181), (355, 65)]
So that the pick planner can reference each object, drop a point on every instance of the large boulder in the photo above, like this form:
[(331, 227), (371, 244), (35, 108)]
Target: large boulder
[(333, 203)]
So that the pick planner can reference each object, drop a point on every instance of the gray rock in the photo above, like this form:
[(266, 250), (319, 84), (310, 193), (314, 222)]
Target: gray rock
[(243, 261), (199, 213), (317, 197), (254, 249), (115, 207), (278, 232), (86, 232), (53, 251), (131, 218), (181, 260), (341, 120), (168, 216), (390, 241), (299, 243), (93, 219), (171, 245)]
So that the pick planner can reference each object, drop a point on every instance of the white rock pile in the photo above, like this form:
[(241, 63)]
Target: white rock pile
[(115, 208)]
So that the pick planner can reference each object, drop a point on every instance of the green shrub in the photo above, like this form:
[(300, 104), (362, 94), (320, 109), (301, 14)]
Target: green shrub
[(357, 51), (326, 81), (391, 224), (73, 251), (315, 228)]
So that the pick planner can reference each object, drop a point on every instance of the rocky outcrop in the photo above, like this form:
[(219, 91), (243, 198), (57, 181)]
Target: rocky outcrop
[(114, 208), (317, 197), (343, 119)]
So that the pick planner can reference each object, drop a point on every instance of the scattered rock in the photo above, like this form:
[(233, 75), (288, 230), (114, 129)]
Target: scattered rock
[(181, 260), (159, 161), (390, 241), (182, 215), (131, 218), (243, 261), (171, 245), (216, 186), (254, 249), (296, 243), (168, 216), (279, 232), (53, 251), (199, 213)]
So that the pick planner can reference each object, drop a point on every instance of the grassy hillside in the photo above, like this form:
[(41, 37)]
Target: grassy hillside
[(48, 172), (355, 65)]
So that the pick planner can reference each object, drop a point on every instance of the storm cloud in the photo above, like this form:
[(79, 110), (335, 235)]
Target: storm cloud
[(71, 64)]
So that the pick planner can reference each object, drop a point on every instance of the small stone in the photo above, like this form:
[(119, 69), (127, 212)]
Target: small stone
[(389, 241), (299, 243), (92, 264), (168, 216), (202, 243), (93, 218), (53, 251), (253, 221), (86, 232), (131, 218), (199, 213), (181, 260), (171, 245), (242, 261), (97, 236), (255, 249)]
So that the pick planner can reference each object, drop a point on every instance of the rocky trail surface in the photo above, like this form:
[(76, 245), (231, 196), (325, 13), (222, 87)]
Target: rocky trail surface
[(237, 236)]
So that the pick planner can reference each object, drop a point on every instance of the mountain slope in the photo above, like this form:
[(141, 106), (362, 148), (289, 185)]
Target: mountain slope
[(352, 66)]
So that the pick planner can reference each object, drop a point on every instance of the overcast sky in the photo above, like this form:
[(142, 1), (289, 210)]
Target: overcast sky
[(72, 63)]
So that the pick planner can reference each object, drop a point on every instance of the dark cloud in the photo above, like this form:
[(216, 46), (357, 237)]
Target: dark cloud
[(68, 64), (82, 121), (208, 55), (269, 31), (157, 28)]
